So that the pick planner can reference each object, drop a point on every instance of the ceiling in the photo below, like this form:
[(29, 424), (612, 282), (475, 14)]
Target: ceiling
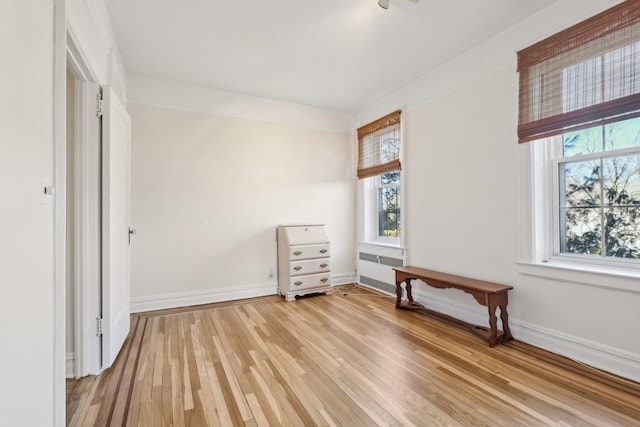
[(337, 54)]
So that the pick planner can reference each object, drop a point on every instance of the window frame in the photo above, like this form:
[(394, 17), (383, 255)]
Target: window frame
[(536, 251), (557, 159), (370, 200), (540, 202)]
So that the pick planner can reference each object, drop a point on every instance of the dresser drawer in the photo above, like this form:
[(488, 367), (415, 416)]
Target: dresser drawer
[(308, 251), (310, 281), (305, 235), (297, 268)]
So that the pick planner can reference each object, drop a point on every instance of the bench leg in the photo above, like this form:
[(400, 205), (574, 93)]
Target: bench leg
[(407, 285), (495, 301), (398, 293), (504, 316), (493, 323)]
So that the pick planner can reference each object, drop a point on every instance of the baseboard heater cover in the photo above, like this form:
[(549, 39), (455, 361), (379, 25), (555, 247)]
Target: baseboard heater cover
[(378, 284), (376, 270), (381, 259)]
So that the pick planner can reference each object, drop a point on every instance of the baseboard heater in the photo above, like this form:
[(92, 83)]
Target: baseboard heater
[(376, 270)]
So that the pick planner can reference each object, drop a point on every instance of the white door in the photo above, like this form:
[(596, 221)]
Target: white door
[(116, 162)]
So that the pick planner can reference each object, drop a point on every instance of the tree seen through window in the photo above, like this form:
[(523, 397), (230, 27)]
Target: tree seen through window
[(389, 205), (599, 178)]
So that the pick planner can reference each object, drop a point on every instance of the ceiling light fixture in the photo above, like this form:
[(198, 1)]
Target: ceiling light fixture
[(385, 3)]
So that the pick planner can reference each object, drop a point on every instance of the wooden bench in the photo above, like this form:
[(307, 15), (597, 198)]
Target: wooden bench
[(491, 295)]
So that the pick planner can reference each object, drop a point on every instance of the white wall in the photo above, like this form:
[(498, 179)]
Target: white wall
[(26, 217), (460, 187), (462, 178), (209, 190)]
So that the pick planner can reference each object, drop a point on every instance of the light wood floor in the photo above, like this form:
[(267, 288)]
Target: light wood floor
[(345, 359)]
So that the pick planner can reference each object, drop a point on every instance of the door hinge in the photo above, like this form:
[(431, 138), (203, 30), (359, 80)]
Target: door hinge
[(99, 326), (99, 105)]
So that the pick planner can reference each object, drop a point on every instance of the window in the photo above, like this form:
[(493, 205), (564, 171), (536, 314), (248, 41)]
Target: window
[(379, 171), (580, 105), (388, 203), (598, 176)]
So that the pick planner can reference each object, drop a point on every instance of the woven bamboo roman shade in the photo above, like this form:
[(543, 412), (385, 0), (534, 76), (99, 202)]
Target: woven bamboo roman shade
[(586, 75), (379, 146)]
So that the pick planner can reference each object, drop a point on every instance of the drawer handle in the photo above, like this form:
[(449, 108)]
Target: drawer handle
[(298, 283), (323, 265), (297, 268), (296, 253), (323, 251), (324, 279)]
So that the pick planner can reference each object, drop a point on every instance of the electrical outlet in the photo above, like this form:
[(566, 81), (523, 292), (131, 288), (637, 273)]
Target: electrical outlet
[(271, 274)]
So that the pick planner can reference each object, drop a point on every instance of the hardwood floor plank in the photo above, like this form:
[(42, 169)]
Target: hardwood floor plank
[(79, 401), (345, 359), (205, 392), (232, 393)]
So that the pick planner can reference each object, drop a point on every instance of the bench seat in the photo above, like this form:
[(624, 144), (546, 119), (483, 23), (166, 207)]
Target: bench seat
[(491, 295)]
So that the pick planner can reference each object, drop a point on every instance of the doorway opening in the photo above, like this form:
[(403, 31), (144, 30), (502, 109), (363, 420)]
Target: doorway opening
[(83, 225)]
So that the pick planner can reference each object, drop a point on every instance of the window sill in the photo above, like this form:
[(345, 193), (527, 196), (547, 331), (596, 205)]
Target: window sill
[(394, 245), (384, 247), (626, 280)]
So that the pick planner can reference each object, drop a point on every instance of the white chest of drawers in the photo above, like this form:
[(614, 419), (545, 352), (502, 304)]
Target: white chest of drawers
[(304, 265)]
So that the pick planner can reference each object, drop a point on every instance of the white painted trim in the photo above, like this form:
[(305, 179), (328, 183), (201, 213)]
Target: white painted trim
[(71, 365), (588, 352), (600, 277), (191, 97), (58, 158), (185, 299), (87, 42), (526, 232), (343, 278), (382, 249), (403, 178), (88, 229), (77, 62), (591, 353)]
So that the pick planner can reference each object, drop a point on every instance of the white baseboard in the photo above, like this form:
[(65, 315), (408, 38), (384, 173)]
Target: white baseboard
[(343, 279), (185, 299), (590, 353), (476, 314), (71, 365), (584, 351)]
